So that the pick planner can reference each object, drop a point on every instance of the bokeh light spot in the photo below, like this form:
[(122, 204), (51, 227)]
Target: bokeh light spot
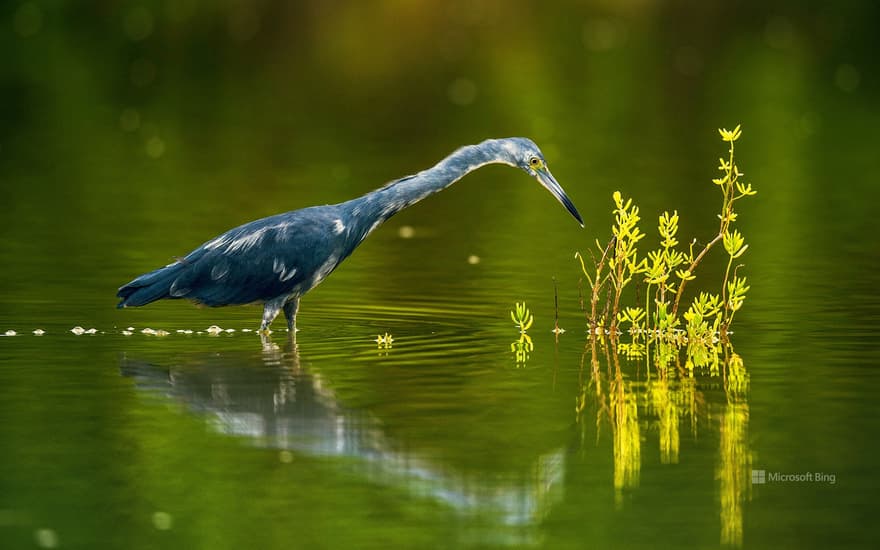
[(779, 33), (162, 521), (28, 19), (603, 34), (46, 538), (462, 91), (130, 120), (688, 61), (155, 147), (138, 24), (243, 22), (847, 78), (142, 72)]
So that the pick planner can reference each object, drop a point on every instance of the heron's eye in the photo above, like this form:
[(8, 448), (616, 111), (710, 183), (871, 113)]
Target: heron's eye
[(535, 163)]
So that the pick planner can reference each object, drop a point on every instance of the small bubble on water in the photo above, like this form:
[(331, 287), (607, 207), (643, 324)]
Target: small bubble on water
[(127, 333), (10, 333), (214, 329), (78, 330), (149, 331), (39, 332)]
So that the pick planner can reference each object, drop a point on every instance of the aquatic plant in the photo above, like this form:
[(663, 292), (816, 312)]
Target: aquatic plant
[(666, 272), (557, 330), (522, 317), (384, 341)]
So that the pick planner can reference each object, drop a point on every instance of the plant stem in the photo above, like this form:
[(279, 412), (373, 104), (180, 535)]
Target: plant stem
[(726, 211), (725, 322), (691, 268), (597, 286)]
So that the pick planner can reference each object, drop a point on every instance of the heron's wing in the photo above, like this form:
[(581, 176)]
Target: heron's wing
[(258, 261)]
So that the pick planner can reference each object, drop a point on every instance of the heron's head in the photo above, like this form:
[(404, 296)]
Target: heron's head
[(523, 153)]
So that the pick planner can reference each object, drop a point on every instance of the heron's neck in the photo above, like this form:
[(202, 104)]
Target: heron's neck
[(381, 204)]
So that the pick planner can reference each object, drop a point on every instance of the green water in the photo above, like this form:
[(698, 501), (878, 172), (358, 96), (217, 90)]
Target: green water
[(128, 139)]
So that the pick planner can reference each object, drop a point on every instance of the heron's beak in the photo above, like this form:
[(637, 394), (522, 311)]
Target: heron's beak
[(546, 179)]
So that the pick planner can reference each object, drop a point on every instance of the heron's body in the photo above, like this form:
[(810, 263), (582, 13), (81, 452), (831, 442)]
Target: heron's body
[(276, 260)]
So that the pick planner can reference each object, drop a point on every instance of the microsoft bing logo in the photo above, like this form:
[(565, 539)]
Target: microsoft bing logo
[(762, 477)]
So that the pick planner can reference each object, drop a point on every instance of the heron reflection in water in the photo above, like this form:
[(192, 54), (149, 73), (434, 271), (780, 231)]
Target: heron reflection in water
[(273, 399), (276, 260)]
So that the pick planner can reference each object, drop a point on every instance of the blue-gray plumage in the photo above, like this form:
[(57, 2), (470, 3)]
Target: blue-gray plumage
[(275, 260)]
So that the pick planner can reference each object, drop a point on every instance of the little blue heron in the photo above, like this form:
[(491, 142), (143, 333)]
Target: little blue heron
[(275, 260)]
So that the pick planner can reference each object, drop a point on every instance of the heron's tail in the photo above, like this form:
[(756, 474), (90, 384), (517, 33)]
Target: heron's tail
[(149, 287)]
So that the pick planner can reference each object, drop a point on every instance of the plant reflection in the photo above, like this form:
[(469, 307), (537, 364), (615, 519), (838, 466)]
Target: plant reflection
[(521, 348), (272, 399), (636, 403), (624, 416), (735, 458)]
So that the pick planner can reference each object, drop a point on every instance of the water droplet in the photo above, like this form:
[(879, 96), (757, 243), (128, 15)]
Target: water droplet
[(39, 332), (78, 330)]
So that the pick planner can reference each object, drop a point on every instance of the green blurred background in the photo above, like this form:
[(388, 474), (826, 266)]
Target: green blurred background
[(122, 118)]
